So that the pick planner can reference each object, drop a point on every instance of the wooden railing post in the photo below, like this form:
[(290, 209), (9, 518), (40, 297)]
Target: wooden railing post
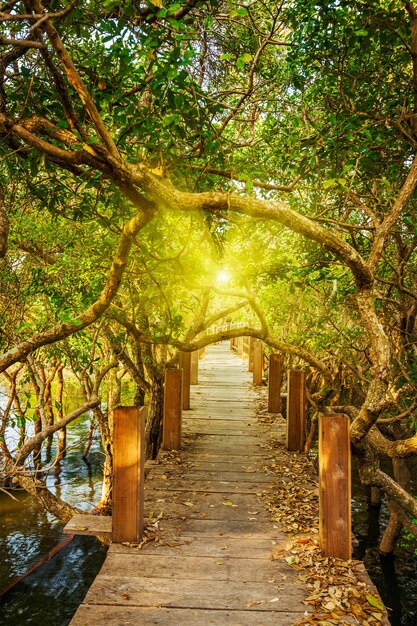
[(185, 365), (202, 352), (252, 342), (171, 431), (258, 363), (335, 486), (128, 473), (296, 410), (194, 368), (240, 346), (274, 383), (245, 348)]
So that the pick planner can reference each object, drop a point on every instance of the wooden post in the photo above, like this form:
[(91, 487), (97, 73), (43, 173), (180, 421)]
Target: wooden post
[(274, 383), (258, 364), (335, 486), (296, 410), (240, 346), (252, 343), (245, 348), (128, 473), (171, 432), (194, 368), (185, 365), (202, 352)]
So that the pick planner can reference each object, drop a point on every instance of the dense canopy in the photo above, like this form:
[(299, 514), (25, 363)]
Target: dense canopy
[(169, 165)]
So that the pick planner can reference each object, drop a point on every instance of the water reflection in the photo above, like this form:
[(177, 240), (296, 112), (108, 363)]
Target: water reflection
[(28, 533)]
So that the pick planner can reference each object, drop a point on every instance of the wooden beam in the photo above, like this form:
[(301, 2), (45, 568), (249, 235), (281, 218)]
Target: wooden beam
[(335, 486), (194, 368), (185, 365), (128, 473), (296, 411), (274, 383), (171, 431), (258, 364)]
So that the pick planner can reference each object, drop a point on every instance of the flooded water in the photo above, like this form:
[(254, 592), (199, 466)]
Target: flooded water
[(394, 576), (51, 594)]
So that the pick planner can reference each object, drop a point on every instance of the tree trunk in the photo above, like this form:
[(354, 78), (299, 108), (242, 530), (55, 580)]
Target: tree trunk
[(105, 503), (395, 525), (62, 435), (153, 428), (38, 489), (89, 440)]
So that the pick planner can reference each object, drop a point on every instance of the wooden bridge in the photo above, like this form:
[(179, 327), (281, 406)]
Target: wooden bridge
[(210, 558), (210, 553)]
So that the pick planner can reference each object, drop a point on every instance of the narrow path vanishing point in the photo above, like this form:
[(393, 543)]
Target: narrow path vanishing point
[(212, 563)]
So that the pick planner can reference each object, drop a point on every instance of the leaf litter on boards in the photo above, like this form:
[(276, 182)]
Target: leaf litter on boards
[(338, 591)]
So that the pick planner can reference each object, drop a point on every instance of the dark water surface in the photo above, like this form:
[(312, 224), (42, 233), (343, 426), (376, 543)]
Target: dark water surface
[(394, 576), (50, 595)]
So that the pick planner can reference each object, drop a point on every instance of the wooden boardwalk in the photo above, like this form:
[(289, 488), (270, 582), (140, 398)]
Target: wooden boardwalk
[(210, 562)]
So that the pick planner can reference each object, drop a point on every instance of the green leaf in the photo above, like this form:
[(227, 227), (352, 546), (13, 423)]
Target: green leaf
[(174, 8), (375, 602), (361, 33), (330, 182)]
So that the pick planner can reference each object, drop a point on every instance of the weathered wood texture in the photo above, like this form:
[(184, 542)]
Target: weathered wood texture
[(274, 383), (213, 565), (185, 365), (128, 473), (258, 363), (194, 368), (335, 486), (171, 431), (296, 410), (92, 525)]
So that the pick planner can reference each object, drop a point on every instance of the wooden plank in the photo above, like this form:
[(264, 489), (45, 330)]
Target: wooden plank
[(335, 486), (203, 506), (208, 486), (244, 529), (185, 365), (214, 475), (296, 411), (128, 473), (218, 547), (87, 524), (171, 432), (194, 368), (203, 568), (128, 590), (147, 616), (274, 383)]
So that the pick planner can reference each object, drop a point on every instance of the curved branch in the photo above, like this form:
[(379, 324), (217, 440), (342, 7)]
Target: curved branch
[(62, 330)]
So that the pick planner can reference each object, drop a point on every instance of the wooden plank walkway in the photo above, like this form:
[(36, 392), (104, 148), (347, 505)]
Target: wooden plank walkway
[(210, 562)]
